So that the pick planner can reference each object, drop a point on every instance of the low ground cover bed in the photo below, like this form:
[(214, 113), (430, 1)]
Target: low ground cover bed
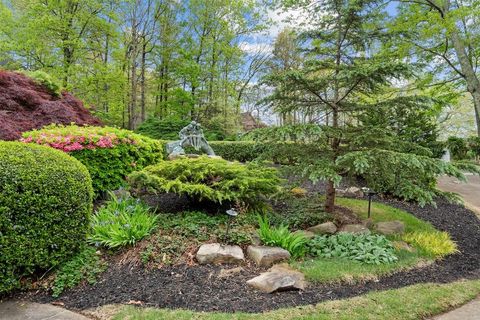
[(199, 287), (412, 302)]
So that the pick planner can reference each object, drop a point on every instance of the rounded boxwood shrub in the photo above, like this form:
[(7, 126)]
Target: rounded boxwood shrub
[(109, 154), (45, 207)]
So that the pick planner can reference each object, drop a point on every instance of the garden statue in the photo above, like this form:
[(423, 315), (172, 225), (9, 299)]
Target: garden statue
[(190, 136)]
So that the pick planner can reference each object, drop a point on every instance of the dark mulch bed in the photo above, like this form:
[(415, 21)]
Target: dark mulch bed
[(198, 288)]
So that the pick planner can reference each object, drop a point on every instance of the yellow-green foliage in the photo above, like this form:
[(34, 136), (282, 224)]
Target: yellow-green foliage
[(436, 244), (207, 178)]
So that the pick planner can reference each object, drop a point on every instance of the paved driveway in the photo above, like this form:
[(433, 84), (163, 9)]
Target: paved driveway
[(469, 191)]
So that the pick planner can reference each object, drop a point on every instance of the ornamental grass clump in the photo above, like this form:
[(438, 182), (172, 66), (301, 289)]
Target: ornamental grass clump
[(121, 222), (435, 244), (282, 237), (109, 154), (210, 179), (367, 249)]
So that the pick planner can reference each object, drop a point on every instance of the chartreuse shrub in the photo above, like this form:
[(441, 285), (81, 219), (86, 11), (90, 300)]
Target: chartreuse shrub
[(121, 222), (282, 237), (45, 208), (211, 179), (435, 244), (84, 266), (369, 249), (109, 154)]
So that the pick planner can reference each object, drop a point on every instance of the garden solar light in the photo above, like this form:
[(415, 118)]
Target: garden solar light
[(370, 193), (232, 213)]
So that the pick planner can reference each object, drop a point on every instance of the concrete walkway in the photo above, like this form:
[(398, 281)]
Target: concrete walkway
[(470, 311), (19, 310), (470, 193)]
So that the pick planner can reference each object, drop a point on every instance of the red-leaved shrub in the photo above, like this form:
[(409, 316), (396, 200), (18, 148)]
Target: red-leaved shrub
[(26, 105)]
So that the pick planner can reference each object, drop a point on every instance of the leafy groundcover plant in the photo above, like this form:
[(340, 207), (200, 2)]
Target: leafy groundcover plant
[(121, 222), (282, 237), (86, 265), (368, 249)]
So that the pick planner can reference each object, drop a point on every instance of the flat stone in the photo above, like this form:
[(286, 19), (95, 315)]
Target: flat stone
[(278, 278), (266, 256), (324, 228), (402, 245), (355, 229), (368, 223), (227, 273), (390, 227), (216, 253)]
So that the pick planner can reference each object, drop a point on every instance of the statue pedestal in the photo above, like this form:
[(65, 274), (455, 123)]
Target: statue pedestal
[(188, 155)]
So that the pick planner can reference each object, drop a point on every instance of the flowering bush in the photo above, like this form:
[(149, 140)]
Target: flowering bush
[(110, 154)]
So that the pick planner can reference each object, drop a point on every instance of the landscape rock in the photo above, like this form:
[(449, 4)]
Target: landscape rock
[(368, 223), (216, 253), (278, 278), (306, 233), (390, 227), (355, 229), (324, 228), (402, 245), (266, 256), (354, 192), (227, 273)]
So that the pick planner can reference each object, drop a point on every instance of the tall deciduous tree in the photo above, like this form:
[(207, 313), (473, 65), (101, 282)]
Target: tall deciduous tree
[(446, 35)]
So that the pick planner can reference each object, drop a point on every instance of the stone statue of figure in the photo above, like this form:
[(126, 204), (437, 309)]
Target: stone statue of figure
[(190, 136)]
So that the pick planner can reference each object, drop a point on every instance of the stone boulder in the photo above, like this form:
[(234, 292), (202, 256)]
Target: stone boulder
[(355, 229), (279, 278), (402, 245), (390, 227), (307, 234), (266, 256), (216, 253), (324, 228)]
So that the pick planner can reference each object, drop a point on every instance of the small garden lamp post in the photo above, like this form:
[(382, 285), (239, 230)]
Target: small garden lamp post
[(231, 214), (370, 193)]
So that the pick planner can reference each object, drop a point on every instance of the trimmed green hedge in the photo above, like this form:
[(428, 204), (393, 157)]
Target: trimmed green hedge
[(109, 154), (277, 152), (45, 207)]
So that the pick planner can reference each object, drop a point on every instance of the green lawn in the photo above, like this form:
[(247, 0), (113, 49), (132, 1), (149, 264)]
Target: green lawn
[(342, 270), (414, 302)]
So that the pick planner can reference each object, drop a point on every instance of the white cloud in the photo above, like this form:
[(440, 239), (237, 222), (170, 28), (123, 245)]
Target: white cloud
[(254, 47), (293, 18)]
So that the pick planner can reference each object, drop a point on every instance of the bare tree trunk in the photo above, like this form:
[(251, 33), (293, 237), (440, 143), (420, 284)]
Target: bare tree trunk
[(142, 83)]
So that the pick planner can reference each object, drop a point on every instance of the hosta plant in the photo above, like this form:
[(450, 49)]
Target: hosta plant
[(121, 222), (368, 249)]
